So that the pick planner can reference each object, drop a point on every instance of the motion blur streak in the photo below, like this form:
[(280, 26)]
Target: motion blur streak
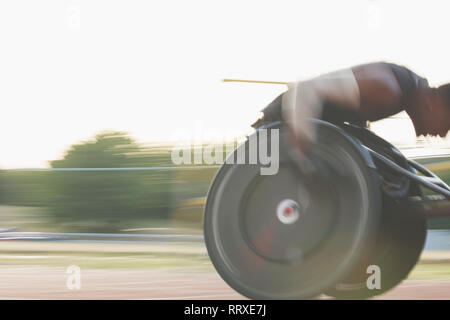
[(133, 224)]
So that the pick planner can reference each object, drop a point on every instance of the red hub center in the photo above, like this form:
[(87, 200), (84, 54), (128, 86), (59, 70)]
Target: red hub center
[(288, 211)]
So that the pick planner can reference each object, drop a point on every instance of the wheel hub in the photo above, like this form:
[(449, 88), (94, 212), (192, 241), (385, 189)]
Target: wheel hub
[(288, 211)]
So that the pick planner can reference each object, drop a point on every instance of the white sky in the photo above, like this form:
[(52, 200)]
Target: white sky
[(69, 69)]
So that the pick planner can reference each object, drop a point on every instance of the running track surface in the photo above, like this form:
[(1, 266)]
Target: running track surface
[(50, 283)]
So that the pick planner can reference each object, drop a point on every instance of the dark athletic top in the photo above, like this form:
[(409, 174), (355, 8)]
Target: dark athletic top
[(409, 82)]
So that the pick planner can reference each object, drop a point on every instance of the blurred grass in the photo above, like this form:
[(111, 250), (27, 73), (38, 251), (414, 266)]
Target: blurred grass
[(31, 218), (431, 271), (109, 260), (104, 255), (433, 265)]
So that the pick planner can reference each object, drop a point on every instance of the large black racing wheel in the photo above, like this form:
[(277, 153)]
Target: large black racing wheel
[(292, 235), (400, 238)]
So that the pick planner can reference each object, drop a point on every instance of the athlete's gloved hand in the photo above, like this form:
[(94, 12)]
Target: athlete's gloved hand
[(300, 104)]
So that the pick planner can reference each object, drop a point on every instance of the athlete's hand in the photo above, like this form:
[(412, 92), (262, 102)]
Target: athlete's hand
[(300, 103)]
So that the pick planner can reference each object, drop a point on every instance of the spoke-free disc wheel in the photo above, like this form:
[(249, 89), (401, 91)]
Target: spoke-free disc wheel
[(396, 251), (289, 235)]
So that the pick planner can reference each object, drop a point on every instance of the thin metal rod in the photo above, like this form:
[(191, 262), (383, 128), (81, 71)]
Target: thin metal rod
[(435, 206), (411, 175), (257, 81), (428, 173), (436, 181)]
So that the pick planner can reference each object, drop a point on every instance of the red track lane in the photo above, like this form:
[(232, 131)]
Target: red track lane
[(50, 283)]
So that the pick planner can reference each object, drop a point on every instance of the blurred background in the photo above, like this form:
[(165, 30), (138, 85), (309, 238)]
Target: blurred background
[(95, 95)]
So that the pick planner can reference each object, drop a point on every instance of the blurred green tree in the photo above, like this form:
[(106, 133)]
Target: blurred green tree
[(108, 150), (1, 187), (109, 200)]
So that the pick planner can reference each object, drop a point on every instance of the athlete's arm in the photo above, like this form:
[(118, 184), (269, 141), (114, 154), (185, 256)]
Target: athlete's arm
[(306, 99)]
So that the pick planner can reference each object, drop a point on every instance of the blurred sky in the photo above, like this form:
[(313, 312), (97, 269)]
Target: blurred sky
[(69, 69)]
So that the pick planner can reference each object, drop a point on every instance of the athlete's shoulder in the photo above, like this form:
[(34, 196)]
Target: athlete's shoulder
[(408, 80), (385, 65)]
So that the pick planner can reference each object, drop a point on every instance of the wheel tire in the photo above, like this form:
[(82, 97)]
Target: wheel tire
[(398, 247)]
